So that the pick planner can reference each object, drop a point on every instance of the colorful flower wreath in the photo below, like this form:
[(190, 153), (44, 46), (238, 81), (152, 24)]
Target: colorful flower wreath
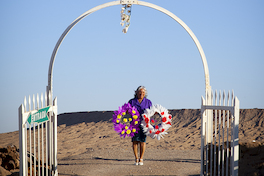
[(126, 126), (156, 130)]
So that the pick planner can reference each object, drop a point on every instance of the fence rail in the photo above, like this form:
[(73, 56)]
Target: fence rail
[(38, 136), (219, 141)]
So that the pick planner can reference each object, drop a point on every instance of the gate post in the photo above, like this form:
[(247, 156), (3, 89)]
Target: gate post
[(236, 138), (202, 135), (55, 153), (22, 141), (209, 115)]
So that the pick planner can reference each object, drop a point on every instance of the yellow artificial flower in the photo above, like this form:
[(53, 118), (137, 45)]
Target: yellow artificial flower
[(130, 119), (119, 116), (117, 121), (134, 130), (126, 127), (136, 122), (123, 132), (135, 116), (128, 131), (134, 112), (125, 119), (124, 113)]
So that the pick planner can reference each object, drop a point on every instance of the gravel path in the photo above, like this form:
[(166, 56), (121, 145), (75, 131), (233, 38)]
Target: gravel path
[(118, 161)]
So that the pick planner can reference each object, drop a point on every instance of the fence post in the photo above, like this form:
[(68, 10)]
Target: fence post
[(236, 139), (22, 142), (202, 135), (209, 114), (55, 112)]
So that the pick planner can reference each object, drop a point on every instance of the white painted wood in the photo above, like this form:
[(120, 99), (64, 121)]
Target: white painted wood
[(223, 137), (42, 140), (25, 104), (202, 135), (219, 134), (236, 139), (34, 147), (46, 99), (50, 144), (55, 159), (227, 135), (38, 148), (215, 130), (23, 157), (226, 120), (210, 131), (41, 100), (46, 130), (232, 135), (30, 149), (36, 154), (206, 133), (37, 99), (29, 103), (33, 102)]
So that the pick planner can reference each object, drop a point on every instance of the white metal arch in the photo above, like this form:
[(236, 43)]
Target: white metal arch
[(198, 45)]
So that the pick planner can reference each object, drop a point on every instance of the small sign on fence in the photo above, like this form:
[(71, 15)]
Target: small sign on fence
[(39, 116)]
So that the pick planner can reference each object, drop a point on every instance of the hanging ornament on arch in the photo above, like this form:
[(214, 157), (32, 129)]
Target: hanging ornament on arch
[(125, 17)]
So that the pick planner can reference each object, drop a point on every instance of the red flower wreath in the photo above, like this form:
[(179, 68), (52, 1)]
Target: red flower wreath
[(156, 131)]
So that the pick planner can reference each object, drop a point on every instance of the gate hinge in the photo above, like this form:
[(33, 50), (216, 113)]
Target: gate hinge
[(128, 1)]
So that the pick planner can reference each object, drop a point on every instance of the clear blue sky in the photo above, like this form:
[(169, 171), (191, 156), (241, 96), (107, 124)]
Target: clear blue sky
[(98, 67)]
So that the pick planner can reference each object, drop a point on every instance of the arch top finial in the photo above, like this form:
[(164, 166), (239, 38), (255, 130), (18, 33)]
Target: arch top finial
[(128, 1)]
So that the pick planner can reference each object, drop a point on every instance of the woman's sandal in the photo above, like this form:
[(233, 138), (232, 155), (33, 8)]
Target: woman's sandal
[(141, 162), (136, 163)]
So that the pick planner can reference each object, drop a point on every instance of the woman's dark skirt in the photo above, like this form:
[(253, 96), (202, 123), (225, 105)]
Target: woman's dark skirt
[(140, 136)]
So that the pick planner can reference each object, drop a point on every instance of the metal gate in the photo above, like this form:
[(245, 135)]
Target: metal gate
[(219, 135), (38, 136)]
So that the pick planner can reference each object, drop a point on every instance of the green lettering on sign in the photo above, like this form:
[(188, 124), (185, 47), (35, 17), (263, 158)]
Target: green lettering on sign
[(38, 117)]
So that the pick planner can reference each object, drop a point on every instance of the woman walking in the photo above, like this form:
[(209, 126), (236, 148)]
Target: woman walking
[(141, 103)]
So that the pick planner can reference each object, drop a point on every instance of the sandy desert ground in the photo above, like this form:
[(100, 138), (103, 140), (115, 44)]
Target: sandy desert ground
[(88, 145)]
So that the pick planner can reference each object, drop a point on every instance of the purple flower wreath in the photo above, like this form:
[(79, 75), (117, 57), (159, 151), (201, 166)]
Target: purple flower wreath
[(126, 126)]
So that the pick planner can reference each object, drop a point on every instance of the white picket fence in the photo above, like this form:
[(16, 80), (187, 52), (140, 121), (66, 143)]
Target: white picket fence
[(219, 134), (38, 136)]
